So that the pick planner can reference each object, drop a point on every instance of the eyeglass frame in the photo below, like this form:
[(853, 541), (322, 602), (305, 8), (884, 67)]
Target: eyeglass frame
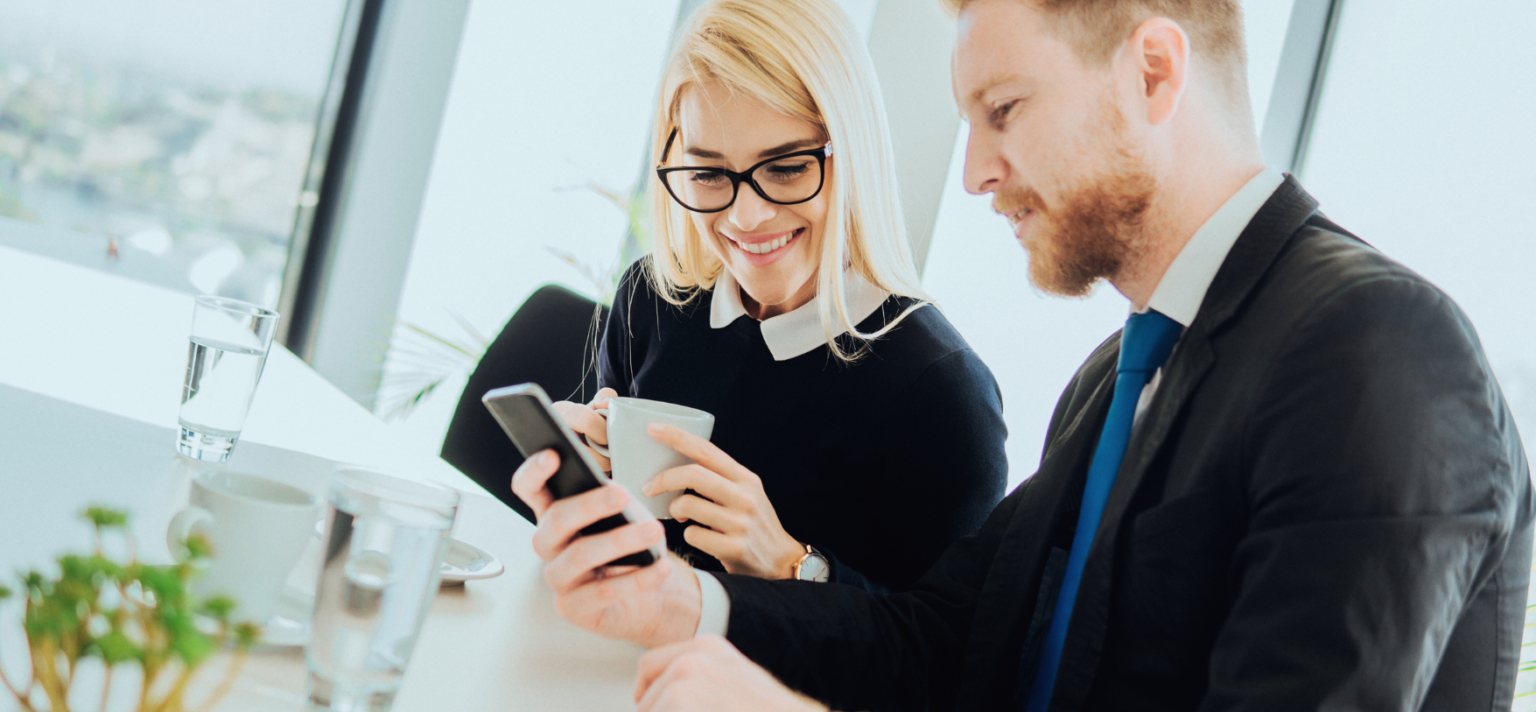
[(737, 178)]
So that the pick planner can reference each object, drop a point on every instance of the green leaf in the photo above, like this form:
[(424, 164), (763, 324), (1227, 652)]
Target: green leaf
[(52, 617), (117, 648), (246, 635), (4, 593), (191, 646), (198, 547), (105, 517), (109, 568), (219, 607), (75, 568), (164, 582)]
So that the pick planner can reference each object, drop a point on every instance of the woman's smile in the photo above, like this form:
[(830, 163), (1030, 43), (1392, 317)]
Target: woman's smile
[(763, 249)]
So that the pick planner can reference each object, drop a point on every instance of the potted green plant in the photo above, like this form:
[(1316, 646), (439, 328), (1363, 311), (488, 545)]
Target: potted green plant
[(123, 613)]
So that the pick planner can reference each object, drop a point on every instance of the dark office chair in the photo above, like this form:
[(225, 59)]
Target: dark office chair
[(552, 341)]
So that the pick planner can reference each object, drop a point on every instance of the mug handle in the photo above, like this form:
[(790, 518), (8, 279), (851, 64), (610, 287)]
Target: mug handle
[(183, 525), (599, 449)]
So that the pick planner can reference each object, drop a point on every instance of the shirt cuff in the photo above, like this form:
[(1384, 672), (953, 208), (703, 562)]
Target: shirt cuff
[(714, 605)]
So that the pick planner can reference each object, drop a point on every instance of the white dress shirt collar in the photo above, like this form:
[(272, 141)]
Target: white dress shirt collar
[(1181, 290), (799, 331)]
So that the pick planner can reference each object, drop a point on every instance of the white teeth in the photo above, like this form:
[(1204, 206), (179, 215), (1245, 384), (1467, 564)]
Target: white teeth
[(763, 248)]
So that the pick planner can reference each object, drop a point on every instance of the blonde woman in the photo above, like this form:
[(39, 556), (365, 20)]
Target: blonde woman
[(781, 296)]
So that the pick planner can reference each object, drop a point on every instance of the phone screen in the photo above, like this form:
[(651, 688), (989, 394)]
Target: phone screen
[(532, 429), (527, 416)]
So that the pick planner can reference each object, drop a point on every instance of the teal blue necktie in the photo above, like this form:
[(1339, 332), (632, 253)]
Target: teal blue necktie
[(1144, 346)]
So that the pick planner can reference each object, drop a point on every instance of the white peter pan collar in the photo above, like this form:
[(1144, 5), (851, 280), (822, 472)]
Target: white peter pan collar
[(1181, 290), (797, 332)]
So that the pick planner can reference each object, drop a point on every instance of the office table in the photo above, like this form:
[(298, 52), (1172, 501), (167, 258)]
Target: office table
[(90, 376)]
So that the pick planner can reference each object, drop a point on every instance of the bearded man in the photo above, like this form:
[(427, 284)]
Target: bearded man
[(1290, 483)]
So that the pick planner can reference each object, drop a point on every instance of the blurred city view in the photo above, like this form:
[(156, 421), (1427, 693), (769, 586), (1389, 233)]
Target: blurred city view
[(148, 146)]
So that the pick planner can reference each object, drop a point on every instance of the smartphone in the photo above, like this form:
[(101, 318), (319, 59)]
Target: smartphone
[(526, 414)]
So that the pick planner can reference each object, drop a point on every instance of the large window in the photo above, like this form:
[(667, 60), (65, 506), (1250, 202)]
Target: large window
[(181, 128), (1423, 145)]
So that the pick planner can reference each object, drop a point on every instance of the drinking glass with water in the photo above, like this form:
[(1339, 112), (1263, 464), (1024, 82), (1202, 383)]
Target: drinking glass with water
[(227, 350), (384, 543)]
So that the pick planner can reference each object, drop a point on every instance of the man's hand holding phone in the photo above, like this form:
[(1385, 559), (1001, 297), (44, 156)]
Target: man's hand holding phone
[(653, 605)]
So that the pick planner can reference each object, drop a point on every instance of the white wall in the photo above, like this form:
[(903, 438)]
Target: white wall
[(1034, 343), (546, 97)]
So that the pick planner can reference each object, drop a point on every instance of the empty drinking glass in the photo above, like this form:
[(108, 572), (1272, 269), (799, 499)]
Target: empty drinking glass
[(383, 553), (227, 350)]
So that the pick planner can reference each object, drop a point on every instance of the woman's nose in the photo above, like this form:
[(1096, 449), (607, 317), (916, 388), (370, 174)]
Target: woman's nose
[(750, 210)]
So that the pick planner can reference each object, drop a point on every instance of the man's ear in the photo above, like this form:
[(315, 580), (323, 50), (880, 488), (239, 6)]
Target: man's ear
[(1159, 55)]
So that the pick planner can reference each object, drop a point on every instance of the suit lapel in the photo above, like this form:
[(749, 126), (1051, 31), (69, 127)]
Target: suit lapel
[(1255, 249), (1006, 601)]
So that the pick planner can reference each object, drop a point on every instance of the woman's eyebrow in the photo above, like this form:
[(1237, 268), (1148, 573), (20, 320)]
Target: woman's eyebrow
[(792, 146), (703, 153), (780, 149)]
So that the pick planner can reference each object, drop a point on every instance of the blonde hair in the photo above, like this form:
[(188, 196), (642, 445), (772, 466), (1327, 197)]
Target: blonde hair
[(804, 59)]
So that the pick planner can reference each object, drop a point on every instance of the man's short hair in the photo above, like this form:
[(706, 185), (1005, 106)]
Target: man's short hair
[(1097, 28)]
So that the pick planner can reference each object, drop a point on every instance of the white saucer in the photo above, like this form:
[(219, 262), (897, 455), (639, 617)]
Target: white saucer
[(289, 625), (463, 562)]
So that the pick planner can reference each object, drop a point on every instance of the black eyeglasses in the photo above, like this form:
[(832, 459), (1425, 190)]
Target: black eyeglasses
[(783, 180)]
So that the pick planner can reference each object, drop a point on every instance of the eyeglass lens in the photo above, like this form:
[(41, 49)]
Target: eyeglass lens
[(791, 179)]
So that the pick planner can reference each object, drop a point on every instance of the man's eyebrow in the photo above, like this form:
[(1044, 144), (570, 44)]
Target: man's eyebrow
[(778, 150), (980, 93)]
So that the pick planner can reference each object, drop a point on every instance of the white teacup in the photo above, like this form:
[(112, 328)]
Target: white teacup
[(258, 529), (637, 457)]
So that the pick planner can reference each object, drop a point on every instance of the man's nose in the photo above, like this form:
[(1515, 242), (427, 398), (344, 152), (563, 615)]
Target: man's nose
[(984, 166)]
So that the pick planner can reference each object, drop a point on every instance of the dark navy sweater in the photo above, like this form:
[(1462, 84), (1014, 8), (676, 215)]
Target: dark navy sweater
[(879, 464)]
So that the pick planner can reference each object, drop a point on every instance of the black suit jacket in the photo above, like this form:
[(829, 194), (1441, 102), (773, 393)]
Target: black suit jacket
[(1325, 506)]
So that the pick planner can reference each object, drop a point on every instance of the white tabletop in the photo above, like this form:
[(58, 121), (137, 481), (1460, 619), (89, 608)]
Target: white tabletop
[(90, 374)]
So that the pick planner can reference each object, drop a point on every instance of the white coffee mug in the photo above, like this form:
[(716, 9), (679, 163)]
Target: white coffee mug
[(257, 527), (637, 457)]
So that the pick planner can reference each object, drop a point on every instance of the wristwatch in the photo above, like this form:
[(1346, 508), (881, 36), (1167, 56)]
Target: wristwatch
[(813, 566)]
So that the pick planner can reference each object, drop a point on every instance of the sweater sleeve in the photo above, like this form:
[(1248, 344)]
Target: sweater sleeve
[(940, 467), (854, 650)]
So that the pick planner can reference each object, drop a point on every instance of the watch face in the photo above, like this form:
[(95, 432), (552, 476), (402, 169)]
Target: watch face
[(814, 567)]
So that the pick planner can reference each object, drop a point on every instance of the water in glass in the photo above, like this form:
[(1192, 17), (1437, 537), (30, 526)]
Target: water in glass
[(225, 354), (221, 379), (381, 569)]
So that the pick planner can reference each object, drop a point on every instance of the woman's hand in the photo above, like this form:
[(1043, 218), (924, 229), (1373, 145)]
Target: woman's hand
[(585, 421), (743, 531)]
